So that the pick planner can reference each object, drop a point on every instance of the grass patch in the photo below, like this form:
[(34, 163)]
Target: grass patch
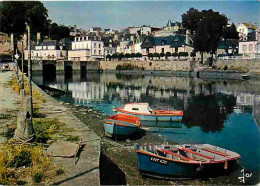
[(47, 129), (21, 164), (5, 116), (72, 138), (38, 99)]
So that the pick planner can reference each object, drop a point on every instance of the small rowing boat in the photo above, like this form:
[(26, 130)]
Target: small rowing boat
[(183, 161), (121, 125), (145, 113)]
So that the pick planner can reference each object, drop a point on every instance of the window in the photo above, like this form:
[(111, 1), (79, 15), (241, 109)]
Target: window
[(94, 52), (99, 45), (99, 51), (95, 45), (244, 48), (135, 108), (250, 47), (162, 50)]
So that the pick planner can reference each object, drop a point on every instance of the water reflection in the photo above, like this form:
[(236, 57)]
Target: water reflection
[(222, 113)]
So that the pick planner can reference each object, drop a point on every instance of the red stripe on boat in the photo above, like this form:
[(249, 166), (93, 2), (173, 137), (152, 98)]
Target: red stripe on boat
[(216, 152)]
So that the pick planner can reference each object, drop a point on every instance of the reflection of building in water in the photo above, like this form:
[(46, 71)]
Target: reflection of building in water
[(87, 91)]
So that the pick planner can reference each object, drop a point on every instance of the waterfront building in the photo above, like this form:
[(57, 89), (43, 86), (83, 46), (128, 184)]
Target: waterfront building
[(172, 44), (145, 30), (87, 48), (249, 48), (95, 30), (174, 27), (109, 46), (228, 47), (245, 30), (47, 50), (134, 30)]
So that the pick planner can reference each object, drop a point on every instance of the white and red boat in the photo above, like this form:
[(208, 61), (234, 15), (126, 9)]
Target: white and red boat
[(145, 113)]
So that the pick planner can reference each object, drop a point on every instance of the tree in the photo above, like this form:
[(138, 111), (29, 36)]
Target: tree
[(175, 54), (156, 55), (162, 54), (191, 19), (138, 55), (127, 55), (15, 15), (133, 55), (114, 56), (168, 54), (230, 32), (59, 32), (108, 56), (150, 55), (120, 56), (209, 32)]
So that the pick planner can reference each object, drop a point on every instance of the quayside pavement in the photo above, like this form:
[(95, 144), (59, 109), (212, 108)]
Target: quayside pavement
[(83, 170)]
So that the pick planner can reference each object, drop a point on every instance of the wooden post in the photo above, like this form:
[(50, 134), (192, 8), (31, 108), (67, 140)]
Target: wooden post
[(22, 82), (30, 71)]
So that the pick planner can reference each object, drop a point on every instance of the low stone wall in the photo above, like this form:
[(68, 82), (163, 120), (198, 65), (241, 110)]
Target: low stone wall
[(151, 65), (243, 65)]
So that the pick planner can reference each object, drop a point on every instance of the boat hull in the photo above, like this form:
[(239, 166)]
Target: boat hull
[(153, 117), (118, 130), (161, 168)]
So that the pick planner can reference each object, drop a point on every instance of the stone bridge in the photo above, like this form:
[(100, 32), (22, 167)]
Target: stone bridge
[(61, 65)]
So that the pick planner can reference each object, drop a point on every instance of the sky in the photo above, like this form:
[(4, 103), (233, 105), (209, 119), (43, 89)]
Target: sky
[(121, 14)]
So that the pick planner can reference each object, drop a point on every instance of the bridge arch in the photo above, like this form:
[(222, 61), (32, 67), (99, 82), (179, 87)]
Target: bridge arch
[(49, 72)]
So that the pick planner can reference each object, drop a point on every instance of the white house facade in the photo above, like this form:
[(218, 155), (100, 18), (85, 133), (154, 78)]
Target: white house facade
[(87, 48), (47, 50), (244, 29), (250, 48)]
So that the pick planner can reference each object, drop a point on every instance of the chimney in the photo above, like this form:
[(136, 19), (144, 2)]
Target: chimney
[(38, 37), (25, 40), (188, 37)]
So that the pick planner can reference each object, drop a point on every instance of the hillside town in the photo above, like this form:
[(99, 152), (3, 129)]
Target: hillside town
[(132, 43), (129, 93)]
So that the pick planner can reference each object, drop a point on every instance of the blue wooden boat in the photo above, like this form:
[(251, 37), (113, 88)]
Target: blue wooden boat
[(183, 161), (121, 125), (145, 113)]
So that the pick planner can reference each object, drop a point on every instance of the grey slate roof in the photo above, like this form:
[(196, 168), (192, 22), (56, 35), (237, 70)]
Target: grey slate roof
[(174, 41)]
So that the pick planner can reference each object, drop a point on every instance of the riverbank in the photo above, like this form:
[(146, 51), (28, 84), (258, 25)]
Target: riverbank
[(70, 144)]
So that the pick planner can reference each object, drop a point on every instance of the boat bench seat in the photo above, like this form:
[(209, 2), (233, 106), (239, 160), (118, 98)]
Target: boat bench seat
[(175, 155), (196, 153), (215, 152)]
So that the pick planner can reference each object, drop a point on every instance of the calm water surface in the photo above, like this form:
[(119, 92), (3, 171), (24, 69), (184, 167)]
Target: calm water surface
[(217, 112)]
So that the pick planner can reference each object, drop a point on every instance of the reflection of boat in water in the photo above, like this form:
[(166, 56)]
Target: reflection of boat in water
[(183, 161), (158, 124), (145, 113), (121, 125)]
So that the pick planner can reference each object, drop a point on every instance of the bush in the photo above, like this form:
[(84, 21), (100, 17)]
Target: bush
[(128, 66), (150, 55), (162, 54), (225, 67), (156, 55), (138, 55), (133, 55), (175, 54)]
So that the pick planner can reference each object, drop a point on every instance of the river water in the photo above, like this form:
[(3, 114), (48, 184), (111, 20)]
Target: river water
[(218, 112)]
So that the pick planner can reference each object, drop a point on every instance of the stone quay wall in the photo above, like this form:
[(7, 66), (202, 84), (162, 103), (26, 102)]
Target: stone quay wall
[(151, 65), (242, 65)]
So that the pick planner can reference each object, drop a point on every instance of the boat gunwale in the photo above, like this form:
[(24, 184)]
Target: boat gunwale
[(187, 162), (119, 124), (144, 114)]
